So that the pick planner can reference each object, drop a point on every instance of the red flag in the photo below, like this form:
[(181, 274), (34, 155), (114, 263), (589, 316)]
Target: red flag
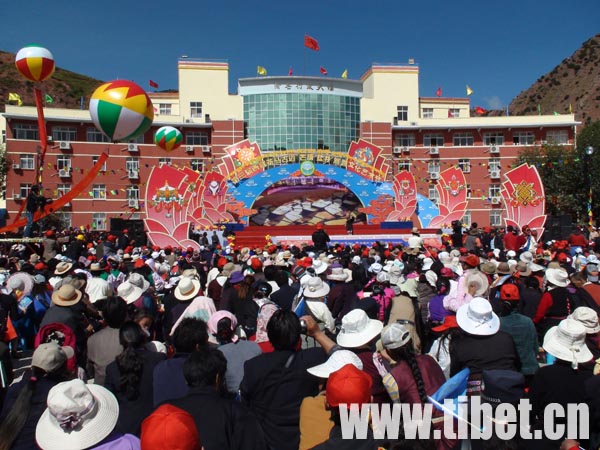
[(439, 92), (311, 43), (479, 110), (323, 70), (291, 72), (153, 84)]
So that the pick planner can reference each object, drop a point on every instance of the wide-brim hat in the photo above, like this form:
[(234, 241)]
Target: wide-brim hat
[(138, 280), (62, 267), (488, 267), (129, 292), (335, 362), (320, 266), (484, 283), (21, 281), (536, 267), (523, 269), (338, 274), (557, 277), (187, 288), (315, 288), (477, 318), (357, 329), (67, 295), (586, 317), (503, 269), (95, 425), (566, 341), (96, 267)]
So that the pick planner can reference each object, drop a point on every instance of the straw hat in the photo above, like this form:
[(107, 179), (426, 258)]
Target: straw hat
[(477, 318), (78, 416), (62, 268), (187, 288), (567, 342), (67, 295), (357, 329)]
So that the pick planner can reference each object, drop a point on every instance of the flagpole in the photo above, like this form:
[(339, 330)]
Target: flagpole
[(304, 68)]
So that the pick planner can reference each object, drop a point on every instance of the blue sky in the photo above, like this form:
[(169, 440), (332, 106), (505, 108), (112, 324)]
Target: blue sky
[(497, 48)]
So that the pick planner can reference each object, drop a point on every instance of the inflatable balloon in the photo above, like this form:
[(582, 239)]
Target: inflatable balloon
[(168, 138), (35, 63), (121, 109)]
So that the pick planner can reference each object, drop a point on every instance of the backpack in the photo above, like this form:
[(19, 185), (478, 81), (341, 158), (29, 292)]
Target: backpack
[(62, 335)]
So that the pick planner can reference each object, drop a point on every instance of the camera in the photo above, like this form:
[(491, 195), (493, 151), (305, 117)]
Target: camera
[(303, 329)]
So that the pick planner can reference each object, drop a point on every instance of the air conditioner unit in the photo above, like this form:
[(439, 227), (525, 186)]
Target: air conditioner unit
[(397, 150), (189, 121), (133, 148), (49, 138), (189, 149), (406, 149), (434, 151), (132, 203), (16, 196), (64, 145), (494, 174), (206, 149), (494, 149), (434, 175), (496, 200), (133, 174), (16, 166), (64, 173)]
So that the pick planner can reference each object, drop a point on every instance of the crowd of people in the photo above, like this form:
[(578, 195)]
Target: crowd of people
[(238, 348)]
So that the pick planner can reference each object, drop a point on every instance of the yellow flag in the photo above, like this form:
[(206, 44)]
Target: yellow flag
[(261, 70), (345, 74), (12, 97), (570, 109), (469, 90)]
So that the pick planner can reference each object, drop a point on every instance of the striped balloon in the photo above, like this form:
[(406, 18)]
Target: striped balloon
[(35, 63), (121, 109), (168, 138)]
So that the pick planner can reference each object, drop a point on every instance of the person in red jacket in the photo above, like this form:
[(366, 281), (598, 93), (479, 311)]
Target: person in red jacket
[(577, 239), (512, 239)]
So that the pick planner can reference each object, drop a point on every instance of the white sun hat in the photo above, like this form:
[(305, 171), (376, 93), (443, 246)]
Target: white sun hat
[(336, 361), (358, 329), (78, 416), (477, 317), (566, 341), (558, 277), (315, 288)]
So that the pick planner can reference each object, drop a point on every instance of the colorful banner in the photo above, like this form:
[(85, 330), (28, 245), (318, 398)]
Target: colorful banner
[(452, 192), (405, 191)]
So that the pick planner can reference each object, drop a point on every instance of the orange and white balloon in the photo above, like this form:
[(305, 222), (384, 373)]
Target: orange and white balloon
[(35, 63)]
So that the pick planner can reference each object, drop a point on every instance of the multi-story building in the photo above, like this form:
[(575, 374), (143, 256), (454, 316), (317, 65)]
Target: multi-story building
[(422, 135)]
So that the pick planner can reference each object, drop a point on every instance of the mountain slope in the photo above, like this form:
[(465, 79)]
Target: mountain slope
[(575, 82)]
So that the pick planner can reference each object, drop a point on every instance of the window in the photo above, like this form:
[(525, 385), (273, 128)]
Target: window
[(464, 165), (494, 164), (62, 189), (433, 167), (462, 139), (64, 134), (523, 138), (99, 221), (26, 131), (466, 219), (433, 194), (163, 161), (99, 191), (493, 138), (405, 140), (433, 140), (139, 139), (4, 136), (24, 190), (197, 165), (404, 165), (557, 136), (63, 162), (133, 192), (454, 112), (469, 191), (164, 108), (94, 135), (195, 109), (494, 191), (402, 113), (95, 160), (496, 218), (132, 164), (65, 218), (196, 138), (427, 113), (27, 162)]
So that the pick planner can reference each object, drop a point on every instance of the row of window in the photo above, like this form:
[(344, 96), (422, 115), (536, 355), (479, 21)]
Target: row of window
[(64, 162), (433, 166), (99, 191), (493, 191), (426, 113), (165, 109), (492, 138), (69, 134)]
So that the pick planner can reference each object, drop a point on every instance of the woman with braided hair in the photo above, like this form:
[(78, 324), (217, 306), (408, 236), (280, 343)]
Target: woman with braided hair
[(416, 376)]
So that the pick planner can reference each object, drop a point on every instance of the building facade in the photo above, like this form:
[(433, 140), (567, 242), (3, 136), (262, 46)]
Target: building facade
[(421, 135)]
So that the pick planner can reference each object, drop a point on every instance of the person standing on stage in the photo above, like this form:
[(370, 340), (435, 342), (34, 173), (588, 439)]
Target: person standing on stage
[(34, 200)]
